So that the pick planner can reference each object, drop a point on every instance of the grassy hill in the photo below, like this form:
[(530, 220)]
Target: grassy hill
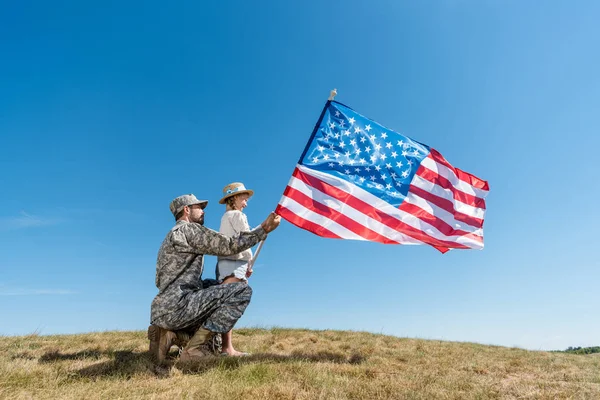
[(291, 364)]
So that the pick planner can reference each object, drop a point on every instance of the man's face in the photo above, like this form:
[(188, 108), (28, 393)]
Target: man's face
[(196, 214)]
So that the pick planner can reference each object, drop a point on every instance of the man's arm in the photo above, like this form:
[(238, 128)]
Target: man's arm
[(207, 241)]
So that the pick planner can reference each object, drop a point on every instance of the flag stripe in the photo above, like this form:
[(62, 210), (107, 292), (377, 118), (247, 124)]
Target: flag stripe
[(446, 205), (407, 224), (441, 214), (470, 179), (447, 195), (439, 224), (292, 212), (329, 212), (440, 169), (459, 195), (300, 184)]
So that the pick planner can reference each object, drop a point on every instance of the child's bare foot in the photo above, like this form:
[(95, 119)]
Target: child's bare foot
[(234, 353)]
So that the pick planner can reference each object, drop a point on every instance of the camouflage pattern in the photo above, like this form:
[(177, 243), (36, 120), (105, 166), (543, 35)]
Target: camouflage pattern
[(185, 301), (186, 200)]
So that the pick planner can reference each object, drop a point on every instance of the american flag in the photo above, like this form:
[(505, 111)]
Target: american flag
[(358, 180)]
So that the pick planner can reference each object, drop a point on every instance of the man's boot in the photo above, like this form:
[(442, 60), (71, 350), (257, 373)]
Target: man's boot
[(199, 346), (161, 341)]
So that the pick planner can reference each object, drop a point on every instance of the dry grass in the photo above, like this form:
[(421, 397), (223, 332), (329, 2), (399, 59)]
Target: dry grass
[(291, 364)]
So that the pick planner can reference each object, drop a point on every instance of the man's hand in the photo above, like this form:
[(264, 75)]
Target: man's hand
[(271, 223)]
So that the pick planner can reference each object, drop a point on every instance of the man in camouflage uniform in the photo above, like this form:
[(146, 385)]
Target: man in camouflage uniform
[(186, 305)]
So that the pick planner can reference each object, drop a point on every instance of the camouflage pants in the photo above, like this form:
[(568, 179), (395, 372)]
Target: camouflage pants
[(216, 308)]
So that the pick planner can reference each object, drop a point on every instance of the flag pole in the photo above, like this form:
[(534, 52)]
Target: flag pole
[(255, 256)]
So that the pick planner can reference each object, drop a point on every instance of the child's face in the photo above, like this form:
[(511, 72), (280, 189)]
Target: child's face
[(241, 201)]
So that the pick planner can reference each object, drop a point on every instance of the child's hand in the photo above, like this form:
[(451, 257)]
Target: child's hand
[(249, 272)]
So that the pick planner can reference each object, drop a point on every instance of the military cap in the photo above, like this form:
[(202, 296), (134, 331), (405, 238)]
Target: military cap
[(186, 200)]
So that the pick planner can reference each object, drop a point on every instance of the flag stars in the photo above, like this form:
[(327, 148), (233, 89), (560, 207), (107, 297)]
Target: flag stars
[(357, 151), (362, 179), (372, 137), (353, 142), (394, 154), (331, 125), (373, 158), (377, 168), (383, 177), (336, 155), (377, 146), (320, 148), (315, 159), (331, 165), (388, 145), (399, 164), (384, 135), (342, 124), (336, 136), (342, 144), (326, 157), (347, 171), (368, 128), (368, 149), (399, 143), (405, 173), (362, 161), (363, 139), (357, 129), (351, 120), (388, 166), (388, 186), (337, 113), (382, 156), (347, 132)]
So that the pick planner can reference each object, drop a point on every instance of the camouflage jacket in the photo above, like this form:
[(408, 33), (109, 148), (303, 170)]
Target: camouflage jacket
[(180, 264)]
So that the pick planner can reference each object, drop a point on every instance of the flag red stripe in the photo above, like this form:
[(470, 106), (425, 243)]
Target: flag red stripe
[(438, 223), (460, 174), (336, 216), (373, 212), (459, 195), (305, 224), (446, 205)]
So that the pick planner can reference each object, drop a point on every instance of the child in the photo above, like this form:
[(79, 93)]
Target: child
[(234, 268)]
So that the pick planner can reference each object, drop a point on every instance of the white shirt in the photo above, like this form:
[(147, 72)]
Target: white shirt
[(232, 223)]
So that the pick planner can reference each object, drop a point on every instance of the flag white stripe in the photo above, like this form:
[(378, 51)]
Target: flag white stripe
[(318, 219), (447, 194), (352, 213), (447, 173), (442, 214), (385, 207)]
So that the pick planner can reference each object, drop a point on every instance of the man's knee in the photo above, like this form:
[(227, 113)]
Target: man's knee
[(244, 292)]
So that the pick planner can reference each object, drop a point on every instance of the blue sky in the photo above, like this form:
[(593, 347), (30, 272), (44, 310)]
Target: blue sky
[(108, 111)]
